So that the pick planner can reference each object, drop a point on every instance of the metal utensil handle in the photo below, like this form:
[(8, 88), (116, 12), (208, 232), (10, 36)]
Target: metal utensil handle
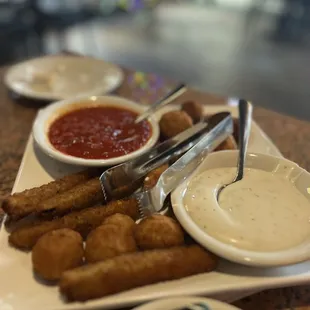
[(186, 165), (173, 94), (149, 159), (182, 143), (245, 118), (193, 136)]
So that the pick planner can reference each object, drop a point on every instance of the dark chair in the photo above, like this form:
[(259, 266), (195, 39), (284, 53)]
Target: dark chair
[(24, 25), (294, 22), (16, 31)]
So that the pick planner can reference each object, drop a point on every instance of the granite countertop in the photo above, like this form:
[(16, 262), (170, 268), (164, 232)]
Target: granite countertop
[(290, 135)]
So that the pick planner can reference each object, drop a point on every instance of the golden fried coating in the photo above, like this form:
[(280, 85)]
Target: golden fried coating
[(81, 221), (228, 144), (24, 203), (56, 252), (194, 110), (122, 221), (107, 241), (174, 122), (158, 231), (122, 184), (235, 125), (133, 270), (153, 176), (79, 197)]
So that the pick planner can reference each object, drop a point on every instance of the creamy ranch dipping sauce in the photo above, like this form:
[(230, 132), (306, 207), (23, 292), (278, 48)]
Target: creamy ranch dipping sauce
[(263, 212)]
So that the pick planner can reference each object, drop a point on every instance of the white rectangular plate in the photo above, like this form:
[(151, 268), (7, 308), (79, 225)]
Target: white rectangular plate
[(20, 290)]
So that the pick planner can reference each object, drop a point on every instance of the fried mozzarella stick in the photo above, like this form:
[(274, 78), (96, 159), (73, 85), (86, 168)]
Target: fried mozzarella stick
[(81, 221), (24, 203), (133, 270), (79, 197)]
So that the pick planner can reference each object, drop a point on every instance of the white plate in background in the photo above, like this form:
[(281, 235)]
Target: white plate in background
[(229, 282), (63, 77)]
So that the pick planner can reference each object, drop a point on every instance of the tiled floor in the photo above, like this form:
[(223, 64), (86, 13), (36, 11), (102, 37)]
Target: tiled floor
[(214, 49)]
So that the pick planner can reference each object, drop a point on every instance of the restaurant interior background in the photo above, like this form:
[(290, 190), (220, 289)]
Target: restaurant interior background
[(255, 49)]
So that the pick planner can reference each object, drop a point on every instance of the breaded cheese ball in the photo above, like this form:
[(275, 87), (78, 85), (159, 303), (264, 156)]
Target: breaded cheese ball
[(174, 122), (193, 109), (157, 232), (108, 241), (122, 221), (57, 251), (228, 144)]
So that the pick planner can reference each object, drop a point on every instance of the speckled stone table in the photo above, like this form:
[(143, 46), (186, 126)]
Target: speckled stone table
[(291, 136)]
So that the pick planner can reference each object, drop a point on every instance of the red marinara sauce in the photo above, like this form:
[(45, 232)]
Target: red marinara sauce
[(99, 132)]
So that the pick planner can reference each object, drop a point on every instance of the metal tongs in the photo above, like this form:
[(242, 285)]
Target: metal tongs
[(152, 200), (122, 180)]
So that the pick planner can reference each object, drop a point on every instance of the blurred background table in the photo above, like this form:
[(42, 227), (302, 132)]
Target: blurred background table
[(289, 134), (255, 49)]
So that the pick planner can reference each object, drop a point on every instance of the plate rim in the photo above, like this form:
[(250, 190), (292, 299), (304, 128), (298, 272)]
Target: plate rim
[(233, 289)]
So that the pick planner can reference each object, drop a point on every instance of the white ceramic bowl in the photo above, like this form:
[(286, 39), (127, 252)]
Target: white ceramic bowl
[(296, 174), (47, 115)]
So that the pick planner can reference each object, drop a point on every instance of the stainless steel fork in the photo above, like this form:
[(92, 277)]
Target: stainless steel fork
[(151, 201)]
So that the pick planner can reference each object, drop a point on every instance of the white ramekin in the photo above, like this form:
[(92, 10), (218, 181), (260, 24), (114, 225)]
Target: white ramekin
[(300, 178), (47, 115)]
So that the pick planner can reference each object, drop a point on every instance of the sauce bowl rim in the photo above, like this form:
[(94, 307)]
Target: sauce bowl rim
[(48, 114), (293, 255)]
